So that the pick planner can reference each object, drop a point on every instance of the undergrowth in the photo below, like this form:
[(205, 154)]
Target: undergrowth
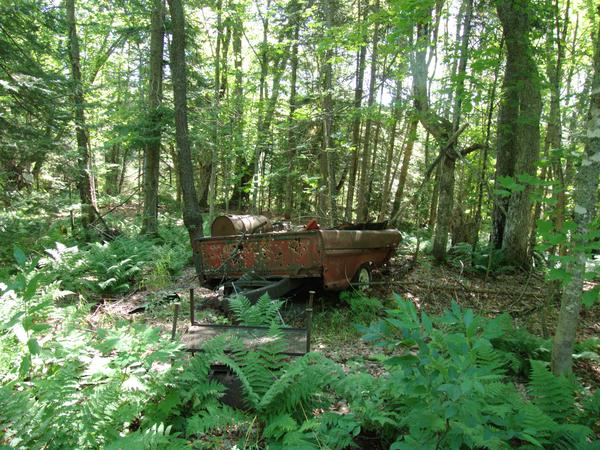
[(118, 266), (453, 381), (339, 324)]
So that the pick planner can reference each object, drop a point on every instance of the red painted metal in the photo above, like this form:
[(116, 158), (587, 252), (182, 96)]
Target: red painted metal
[(333, 255)]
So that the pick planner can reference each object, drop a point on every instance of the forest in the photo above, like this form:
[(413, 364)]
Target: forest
[(472, 127)]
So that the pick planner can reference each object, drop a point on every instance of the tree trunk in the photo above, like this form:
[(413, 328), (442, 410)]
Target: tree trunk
[(291, 133), (238, 110), (192, 218), (362, 211), (484, 157), (251, 172), (152, 148), (445, 132), (175, 158), (585, 197), (553, 141), (518, 148), (356, 120), (85, 178), (389, 159), (112, 160), (447, 176), (212, 191), (407, 154), (328, 184)]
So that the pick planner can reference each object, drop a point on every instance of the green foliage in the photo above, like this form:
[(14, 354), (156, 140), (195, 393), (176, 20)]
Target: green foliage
[(282, 396), (341, 324), (264, 312), (118, 266), (66, 385), (447, 387), (363, 309), (481, 259)]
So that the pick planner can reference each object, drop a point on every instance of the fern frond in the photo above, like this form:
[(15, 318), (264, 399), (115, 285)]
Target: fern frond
[(215, 417), (553, 395), (279, 425), (570, 436)]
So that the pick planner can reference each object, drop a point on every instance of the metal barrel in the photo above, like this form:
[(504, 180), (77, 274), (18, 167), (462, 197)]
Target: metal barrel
[(231, 225)]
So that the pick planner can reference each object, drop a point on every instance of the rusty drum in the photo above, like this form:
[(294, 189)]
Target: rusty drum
[(232, 225)]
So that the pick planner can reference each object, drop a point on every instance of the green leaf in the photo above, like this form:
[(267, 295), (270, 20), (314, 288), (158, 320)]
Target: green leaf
[(544, 226), (559, 274), (19, 256), (25, 364), (468, 317), (33, 346), (591, 296), (426, 322)]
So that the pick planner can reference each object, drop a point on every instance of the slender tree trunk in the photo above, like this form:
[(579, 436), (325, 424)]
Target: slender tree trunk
[(113, 160), (446, 133), (291, 132), (212, 188), (85, 178), (484, 157), (435, 195), (238, 113), (407, 154), (374, 159), (123, 167), (192, 218), (447, 175), (356, 120), (175, 158), (585, 198), (553, 141), (252, 173), (152, 148), (263, 137), (362, 212), (355, 133), (326, 155), (387, 182)]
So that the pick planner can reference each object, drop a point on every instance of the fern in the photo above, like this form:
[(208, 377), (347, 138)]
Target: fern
[(553, 395), (279, 425), (156, 438), (590, 415), (264, 312), (215, 417)]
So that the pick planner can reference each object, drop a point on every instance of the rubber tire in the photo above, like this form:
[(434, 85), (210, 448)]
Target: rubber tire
[(364, 277)]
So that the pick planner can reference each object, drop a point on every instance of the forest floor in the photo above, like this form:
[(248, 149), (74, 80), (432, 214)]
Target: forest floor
[(526, 297)]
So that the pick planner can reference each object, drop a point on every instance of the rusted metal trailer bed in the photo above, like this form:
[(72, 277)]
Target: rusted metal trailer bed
[(336, 256)]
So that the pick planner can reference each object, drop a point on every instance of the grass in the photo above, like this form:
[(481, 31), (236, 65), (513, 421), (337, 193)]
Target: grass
[(340, 322)]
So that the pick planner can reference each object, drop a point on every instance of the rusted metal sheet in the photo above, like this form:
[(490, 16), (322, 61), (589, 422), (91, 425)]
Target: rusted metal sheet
[(295, 255), (345, 251)]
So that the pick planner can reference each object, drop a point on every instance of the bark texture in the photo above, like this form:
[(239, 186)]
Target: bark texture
[(291, 132), (356, 121), (585, 198), (362, 211), (85, 179), (518, 130), (152, 148), (192, 218)]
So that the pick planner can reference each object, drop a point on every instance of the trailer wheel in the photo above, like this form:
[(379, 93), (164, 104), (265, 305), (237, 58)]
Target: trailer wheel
[(362, 277)]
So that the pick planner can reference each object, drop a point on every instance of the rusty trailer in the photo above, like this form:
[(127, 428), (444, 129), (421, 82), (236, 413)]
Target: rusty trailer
[(338, 257)]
